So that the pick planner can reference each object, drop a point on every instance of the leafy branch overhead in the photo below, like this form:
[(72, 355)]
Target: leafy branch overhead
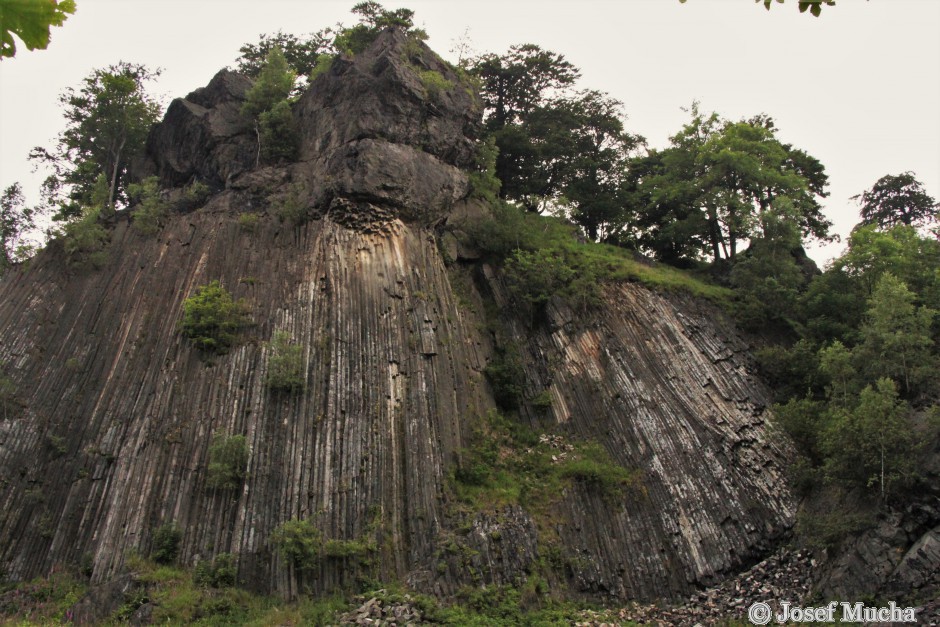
[(814, 6), (30, 20)]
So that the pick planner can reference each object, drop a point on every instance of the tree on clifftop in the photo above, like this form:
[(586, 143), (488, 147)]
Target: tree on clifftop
[(895, 200), (108, 119)]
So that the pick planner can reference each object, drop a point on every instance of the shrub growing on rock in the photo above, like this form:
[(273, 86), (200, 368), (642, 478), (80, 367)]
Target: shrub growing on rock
[(212, 318), (228, 459), (285, 365), (166, 544), (299, 542)]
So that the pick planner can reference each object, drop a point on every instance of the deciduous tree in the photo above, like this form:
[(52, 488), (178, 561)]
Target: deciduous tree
[(107, 122), (16, 219), (895, 200)]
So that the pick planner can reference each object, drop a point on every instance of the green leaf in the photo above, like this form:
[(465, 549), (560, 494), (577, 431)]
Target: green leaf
[(30, 20)]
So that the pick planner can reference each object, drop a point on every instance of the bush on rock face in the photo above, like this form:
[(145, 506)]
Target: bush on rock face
[(212, 318)]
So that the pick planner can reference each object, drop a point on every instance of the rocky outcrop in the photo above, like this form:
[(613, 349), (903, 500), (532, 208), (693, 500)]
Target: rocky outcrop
[(203, 136), (117, 409)]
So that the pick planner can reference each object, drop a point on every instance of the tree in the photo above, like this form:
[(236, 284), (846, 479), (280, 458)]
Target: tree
[(600, 148), (872, 443), (731, 174), (267, 102), (285, 364), (302, 55), (519, 81), (896, 340), (895, 200), (900, 250), (31, 22), (555, 148), (373, 18), (767, 278), (108, 119), (15, 220), (228, 459)]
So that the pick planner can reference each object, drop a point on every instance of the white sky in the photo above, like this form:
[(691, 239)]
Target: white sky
[(858, 87)]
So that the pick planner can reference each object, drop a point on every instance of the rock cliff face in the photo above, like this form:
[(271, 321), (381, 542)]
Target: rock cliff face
[(114, 409)]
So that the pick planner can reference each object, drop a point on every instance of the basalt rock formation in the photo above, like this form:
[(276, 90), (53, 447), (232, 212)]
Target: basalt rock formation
[(108, 434)]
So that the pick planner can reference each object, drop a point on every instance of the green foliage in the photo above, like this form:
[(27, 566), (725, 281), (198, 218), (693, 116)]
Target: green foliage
[(872, 444), (15, 221), (248, 222), (299, 542), (84, 241), (896, 337), (373, 18), (484, 184), (343, 549), (273, 85), (509, 229), (835, 362), (767, 280), (804, 420), (196, 193), (267, 102), (292, 207), (542, 401), (323, 65), (719, 181), (814, 6), (507, 376), (535, 277), (902, 251), (42, 601), (228, 462), (895, 200), (278, 133), (152, 209), (792, 372), (31, 22), (108, 120), (303, 55), (594, 469), (508, 463), (434, 83), (212, 318), (165, 544), (285, 364), (555, 150), (220, 572)]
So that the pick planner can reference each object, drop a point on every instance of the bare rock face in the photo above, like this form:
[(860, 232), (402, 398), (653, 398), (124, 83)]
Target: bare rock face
[(114, 410), (389, 130), (204, 136)]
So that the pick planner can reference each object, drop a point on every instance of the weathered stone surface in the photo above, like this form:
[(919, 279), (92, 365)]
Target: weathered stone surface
[(204, 136), (668, 388), (375, 136), (380, 95), (920, 566), (415, 185)]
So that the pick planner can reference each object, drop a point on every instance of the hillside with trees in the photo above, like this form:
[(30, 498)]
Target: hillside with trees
[(363, 330)]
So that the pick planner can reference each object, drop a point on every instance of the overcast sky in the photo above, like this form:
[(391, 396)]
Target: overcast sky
[(858, 87)]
